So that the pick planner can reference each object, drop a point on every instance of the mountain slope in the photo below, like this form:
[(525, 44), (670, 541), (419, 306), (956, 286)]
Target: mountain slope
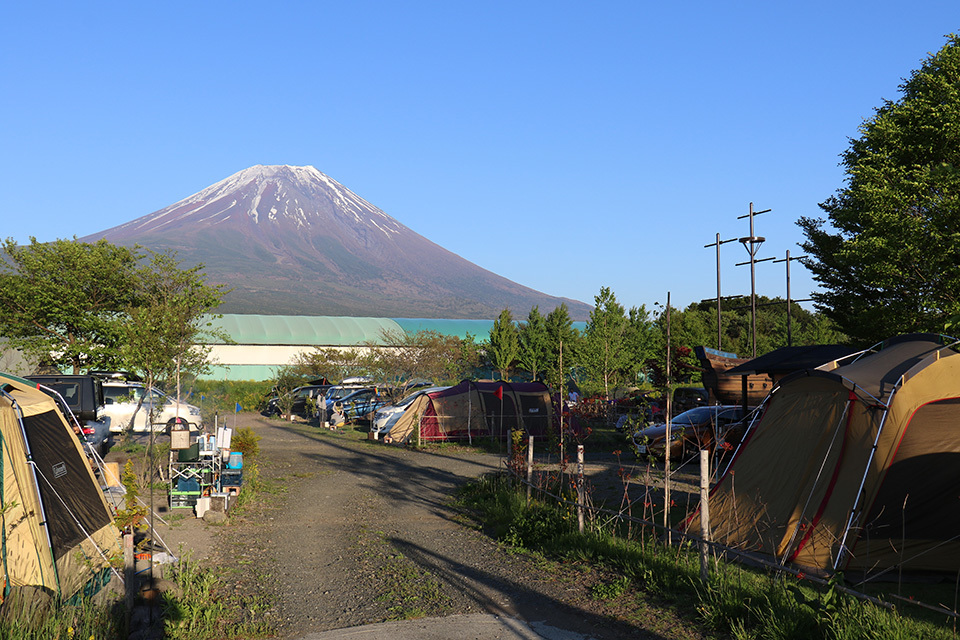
[(291, 240)]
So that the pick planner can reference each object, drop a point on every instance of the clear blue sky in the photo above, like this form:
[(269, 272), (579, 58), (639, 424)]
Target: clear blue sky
[(564, 145)]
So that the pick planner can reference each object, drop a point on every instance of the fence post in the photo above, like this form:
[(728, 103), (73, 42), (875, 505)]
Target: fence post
[(704, 514), (529, 467), (580, 486), (129, 574)]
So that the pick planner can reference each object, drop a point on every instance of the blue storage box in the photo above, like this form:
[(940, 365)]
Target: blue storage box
[(231, 478), (235, 461), (185, 485)]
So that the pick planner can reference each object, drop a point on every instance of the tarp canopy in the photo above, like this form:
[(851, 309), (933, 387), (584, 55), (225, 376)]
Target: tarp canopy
[(786, 360), (56, 529), (854, 469), (476, 409)]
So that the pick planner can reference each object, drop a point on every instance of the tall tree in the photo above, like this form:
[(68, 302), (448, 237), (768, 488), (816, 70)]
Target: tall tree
[(889, 261), (504, 345), (604, 354), (640, 340), (63, 302), (162, 334), (561, 335), (534, 343)]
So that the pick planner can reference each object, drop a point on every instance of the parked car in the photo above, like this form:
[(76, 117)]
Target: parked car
[(362, 404), (386, 416), (121, 399), (302, 397), (83, 404), (689, 431)]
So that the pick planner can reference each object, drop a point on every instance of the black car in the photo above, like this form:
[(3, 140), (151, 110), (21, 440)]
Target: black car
[(302, 397)]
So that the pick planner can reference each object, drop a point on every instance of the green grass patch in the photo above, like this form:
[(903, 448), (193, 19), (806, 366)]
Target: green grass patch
[(737, 601), (205, 610)]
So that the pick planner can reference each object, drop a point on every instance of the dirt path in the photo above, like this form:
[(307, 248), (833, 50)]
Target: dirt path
[(359, 532)]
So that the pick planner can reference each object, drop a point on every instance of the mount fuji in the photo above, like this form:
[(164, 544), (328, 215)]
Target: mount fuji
[(291, 240)]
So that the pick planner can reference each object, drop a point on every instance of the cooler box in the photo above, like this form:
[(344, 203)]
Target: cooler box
[(231, 478)]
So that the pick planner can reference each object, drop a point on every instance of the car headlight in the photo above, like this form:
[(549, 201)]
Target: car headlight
[(194, 411), (676, 435)]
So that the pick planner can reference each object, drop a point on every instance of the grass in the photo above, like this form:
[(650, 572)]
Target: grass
[(735, 601), (205, 610), (39, 619)]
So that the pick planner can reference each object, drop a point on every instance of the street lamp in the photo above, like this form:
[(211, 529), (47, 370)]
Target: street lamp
[(752, 244)]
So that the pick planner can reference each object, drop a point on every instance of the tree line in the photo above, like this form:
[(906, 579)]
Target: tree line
[(628, 348)]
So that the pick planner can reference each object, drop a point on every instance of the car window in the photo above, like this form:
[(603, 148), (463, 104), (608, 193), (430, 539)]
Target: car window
[(154, 397), (410, 398), (121, 394)]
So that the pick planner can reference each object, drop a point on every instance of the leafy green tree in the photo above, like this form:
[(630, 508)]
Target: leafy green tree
[(288, 378), (534, 343), (402, 357), (163, 331), (605, 356), (63, 302), (331, 363), (640, 341), (889, 260), (562, 336), (504, 345)]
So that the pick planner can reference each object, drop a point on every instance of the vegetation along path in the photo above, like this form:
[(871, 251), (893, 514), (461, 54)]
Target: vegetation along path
[(352, 532)]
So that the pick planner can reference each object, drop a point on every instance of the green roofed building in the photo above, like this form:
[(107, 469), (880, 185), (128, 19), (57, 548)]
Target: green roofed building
[(260, 344)]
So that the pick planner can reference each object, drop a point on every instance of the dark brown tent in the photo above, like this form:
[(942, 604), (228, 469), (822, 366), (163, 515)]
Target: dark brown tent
[(854, 466), (476, 409)]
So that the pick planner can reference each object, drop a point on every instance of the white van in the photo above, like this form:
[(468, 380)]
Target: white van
[(120, 402)]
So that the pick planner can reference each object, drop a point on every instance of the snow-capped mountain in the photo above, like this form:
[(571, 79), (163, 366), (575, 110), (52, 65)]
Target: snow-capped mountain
[(291, 240)]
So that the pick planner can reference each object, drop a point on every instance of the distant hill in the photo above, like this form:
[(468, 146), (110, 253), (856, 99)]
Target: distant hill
[(291, 240)]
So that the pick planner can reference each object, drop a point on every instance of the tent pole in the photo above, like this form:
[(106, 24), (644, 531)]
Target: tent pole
[(863, 480), (469, 415)]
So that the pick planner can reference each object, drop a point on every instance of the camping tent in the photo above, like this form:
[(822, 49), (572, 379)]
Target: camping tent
[(56, 529), (853, 467), (475, 409)]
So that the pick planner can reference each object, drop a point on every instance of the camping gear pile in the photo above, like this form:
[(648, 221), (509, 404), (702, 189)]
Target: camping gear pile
[(204, 472), (854, 466)]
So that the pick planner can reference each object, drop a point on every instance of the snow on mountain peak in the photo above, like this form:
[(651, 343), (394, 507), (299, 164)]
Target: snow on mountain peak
[(272, 194)]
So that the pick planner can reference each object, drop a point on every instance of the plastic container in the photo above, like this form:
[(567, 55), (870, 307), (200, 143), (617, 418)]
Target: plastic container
[(235, 461), (179, 439)]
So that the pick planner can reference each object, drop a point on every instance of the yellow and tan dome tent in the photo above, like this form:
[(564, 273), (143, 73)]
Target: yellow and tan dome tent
[(56, 529), (853, 467)]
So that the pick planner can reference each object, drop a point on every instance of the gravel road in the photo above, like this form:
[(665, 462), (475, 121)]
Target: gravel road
[(354, 532)]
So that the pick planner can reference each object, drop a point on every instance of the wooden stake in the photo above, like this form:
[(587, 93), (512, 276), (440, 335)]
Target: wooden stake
[(704, 514), (666, 453), (580, 498), (529, 467), (129, 574)]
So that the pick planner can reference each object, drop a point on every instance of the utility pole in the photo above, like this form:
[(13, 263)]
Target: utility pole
[(752, 244), (787, 260), (719, 328)]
